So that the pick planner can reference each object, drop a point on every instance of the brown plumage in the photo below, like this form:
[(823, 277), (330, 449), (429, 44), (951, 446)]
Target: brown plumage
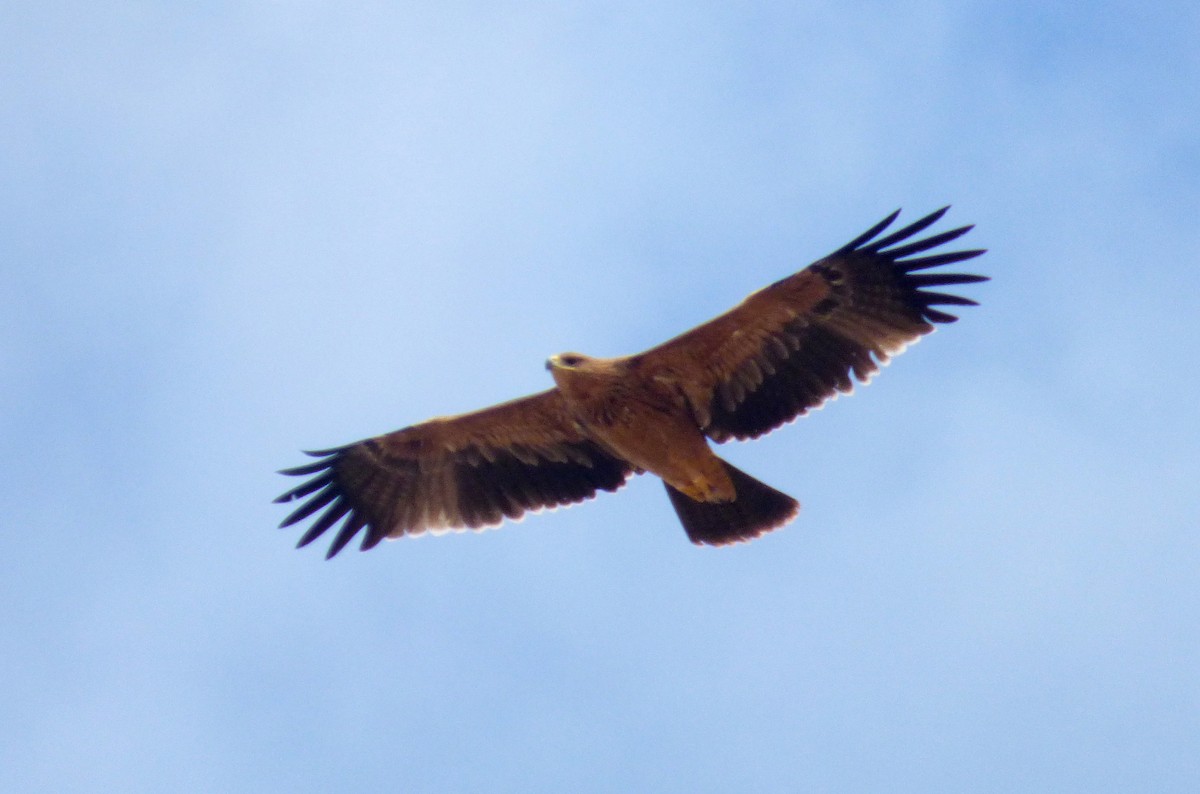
[(784, 350)]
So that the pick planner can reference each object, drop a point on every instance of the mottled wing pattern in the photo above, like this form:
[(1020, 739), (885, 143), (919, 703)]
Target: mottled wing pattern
[(795, 344), (468, 471)]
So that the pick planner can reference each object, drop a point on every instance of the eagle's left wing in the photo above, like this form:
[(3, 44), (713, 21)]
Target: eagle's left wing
[(791, 346)]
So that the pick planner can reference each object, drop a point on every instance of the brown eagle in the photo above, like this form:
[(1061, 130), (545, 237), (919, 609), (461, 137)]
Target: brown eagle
[(784, 350)]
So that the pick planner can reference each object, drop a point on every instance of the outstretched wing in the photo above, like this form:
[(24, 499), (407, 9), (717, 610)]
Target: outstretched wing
[(793, 345), (459, 472)]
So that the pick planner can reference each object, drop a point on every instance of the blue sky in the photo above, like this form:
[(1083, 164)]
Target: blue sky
[(237, 230)]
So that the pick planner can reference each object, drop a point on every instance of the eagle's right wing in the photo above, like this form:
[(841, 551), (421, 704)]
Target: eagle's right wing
[(460, 472)]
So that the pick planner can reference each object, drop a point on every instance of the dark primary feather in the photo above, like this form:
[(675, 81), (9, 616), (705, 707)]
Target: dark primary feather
[(879, 303)]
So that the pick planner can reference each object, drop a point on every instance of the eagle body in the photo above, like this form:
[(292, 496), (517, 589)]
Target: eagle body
[(642, 421), (783, 351)]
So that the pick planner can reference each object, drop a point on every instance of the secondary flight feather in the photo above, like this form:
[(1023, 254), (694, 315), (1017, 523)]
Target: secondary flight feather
[(783, 351)]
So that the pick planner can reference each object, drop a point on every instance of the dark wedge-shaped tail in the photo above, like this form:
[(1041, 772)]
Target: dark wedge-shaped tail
[(758, 509)]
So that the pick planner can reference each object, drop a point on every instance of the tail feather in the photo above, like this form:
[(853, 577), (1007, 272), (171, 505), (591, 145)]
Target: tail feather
[(758, 509)]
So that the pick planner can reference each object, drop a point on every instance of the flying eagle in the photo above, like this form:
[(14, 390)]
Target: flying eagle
[(783, 351)]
